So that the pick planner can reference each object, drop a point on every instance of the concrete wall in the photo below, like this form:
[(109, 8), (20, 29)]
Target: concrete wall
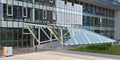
[(117, 25)]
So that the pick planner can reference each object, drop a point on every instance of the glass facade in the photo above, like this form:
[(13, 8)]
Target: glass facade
[(112, 3), (98, 19), (44, 12)]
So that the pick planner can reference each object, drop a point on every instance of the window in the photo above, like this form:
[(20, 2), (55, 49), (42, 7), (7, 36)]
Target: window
[(24, 11), (117, 1), (65, 1), (86, 8), (96, 10), (36, 0), (54, 15), (51, 1), (41, 0), (72, 2), (9, 10), (44, 14)]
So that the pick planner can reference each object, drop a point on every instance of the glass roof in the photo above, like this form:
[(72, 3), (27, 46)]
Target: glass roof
[(83, 36)]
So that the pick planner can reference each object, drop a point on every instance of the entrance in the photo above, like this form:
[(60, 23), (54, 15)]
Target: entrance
[(26, 40)]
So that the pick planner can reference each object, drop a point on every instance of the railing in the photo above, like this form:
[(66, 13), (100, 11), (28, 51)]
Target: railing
[(50, 28), (55, 35)]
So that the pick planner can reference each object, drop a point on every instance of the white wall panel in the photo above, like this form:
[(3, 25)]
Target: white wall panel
[(70, 14), (3, 1), (10, 2), (20, 3), (29, 5), (24, 4), (15, 2)]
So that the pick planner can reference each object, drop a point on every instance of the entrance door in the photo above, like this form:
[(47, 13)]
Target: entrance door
[(26, 40)]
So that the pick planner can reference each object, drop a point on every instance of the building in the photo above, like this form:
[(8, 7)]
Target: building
[(95, 15)]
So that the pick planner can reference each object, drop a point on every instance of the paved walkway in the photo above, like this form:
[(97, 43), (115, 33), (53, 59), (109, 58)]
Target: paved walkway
[(58, 54), (55, 55)]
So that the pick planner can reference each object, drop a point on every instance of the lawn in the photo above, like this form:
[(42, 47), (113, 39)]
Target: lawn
[(113, 50)]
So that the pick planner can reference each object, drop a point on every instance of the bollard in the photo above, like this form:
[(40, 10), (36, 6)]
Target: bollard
[(43, 47), (27, 48), (36, 48), (51, 46), (17, 49)]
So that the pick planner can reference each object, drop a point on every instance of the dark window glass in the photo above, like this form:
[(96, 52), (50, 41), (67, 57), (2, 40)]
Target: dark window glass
[(72, 2), (4, 10), (24, 12), (86, 8), (37, 1), (19, 12), (97, 22), (9, 10), (65, 1)]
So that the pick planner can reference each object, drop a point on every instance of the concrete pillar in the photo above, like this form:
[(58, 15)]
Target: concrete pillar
[(32, 17), (1, 11), (117, 25)]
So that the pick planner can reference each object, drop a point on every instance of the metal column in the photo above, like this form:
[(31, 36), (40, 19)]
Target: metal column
[(39, 33), (61, 30)]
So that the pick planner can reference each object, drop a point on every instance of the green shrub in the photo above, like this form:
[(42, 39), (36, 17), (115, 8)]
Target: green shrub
[(100, 46)]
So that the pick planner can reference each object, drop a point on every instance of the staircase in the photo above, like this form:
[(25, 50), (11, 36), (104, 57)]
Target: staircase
[(55, 35)]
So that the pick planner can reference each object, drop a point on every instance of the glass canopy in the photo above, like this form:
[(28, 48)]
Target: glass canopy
[(83, 36)]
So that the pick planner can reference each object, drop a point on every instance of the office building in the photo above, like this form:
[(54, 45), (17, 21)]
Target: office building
[(100, 16)]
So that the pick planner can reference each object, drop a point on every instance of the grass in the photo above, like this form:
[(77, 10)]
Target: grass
[(113, 50)]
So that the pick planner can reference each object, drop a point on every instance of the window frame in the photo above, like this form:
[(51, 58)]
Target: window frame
[(8, 10), (24, 12), (44, 14), (51, 1)]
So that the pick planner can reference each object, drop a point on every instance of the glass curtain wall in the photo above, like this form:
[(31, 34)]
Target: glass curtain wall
[(102, 19), (96, 18), (45, 12), (15, 12), (18, 12)]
